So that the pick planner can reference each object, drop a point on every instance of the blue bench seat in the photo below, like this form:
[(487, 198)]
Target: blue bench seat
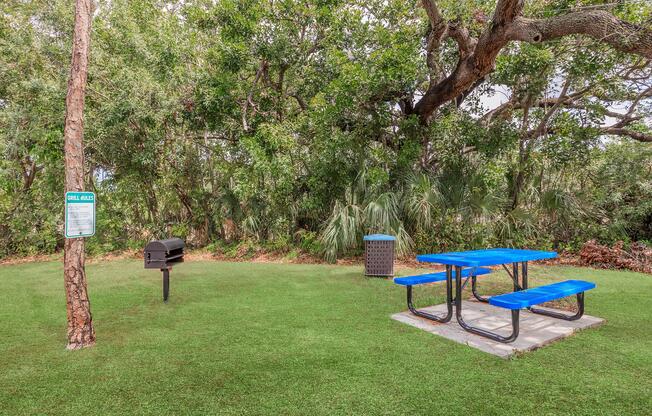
[(541, 294), (438, 277), (409, 281)]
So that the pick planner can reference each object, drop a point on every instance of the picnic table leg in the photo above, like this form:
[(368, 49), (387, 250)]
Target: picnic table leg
[(474, 290), (449, 301), (576, 316), (513, 275), (480, 331), (517, 287)]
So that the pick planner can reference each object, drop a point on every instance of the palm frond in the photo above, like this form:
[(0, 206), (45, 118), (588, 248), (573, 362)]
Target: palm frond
[(343, 230)]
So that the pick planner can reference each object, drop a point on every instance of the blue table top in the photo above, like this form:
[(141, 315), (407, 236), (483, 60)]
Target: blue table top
[(487, 257)]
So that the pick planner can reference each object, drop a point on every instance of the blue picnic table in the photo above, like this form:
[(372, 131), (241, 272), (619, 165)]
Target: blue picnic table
[(470, 264)]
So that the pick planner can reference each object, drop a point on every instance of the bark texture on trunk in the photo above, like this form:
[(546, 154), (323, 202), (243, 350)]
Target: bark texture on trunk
[(80, 322)]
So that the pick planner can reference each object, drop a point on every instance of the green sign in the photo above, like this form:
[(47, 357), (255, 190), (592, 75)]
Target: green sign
[(80, 214)]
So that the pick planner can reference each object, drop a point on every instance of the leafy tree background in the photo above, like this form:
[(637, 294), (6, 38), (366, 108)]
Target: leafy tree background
[(287, 125)]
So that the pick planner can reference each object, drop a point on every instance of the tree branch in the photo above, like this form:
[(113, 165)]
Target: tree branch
[(568, 101), (465, 42), (434, 15), (473, 67), (636, 135), (597, 24), (262, 69), (507, 25), (540, 130), (437, 33), (300, 101), (506, 12)]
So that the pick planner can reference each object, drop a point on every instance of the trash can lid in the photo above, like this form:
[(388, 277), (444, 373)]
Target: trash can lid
[(379, 237)]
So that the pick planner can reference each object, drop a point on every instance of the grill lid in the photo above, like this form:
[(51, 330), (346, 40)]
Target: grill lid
[(166, 245)]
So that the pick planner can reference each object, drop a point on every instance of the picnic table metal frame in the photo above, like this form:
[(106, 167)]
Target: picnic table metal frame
[(524, 286), (449, 301), (463, 260), (480, 331)]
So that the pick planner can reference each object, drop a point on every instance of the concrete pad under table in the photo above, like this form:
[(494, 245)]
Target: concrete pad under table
[(535, 330)]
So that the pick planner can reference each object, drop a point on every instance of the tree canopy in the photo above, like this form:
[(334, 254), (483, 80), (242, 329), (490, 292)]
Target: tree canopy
[(451, 124)]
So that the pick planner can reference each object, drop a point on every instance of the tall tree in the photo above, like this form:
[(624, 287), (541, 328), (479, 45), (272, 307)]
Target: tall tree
[(80, 322)]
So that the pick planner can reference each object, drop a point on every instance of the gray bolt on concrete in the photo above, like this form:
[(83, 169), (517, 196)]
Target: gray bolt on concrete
[(536, 330)]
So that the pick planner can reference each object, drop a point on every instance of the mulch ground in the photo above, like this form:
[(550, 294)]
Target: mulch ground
[(638, 258)]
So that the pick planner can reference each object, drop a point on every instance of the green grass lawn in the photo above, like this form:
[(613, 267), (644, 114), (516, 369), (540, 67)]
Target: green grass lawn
[(239, 338)]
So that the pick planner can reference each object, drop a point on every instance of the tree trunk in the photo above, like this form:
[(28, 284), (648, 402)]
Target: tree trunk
[(80, 322), (519, 180)]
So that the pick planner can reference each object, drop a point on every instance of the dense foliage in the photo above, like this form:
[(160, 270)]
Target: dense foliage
[(284, 124)]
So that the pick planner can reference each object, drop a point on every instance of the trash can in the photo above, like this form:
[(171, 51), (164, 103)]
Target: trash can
[(379, 255)]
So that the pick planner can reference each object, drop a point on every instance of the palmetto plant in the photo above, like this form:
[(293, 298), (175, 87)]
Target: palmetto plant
[(422, 201), (514, 226), (422, 204), (453, 208), (344, 228), (251, 227), (560, 205), (546, 211), (382, 215), (362, 212)]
